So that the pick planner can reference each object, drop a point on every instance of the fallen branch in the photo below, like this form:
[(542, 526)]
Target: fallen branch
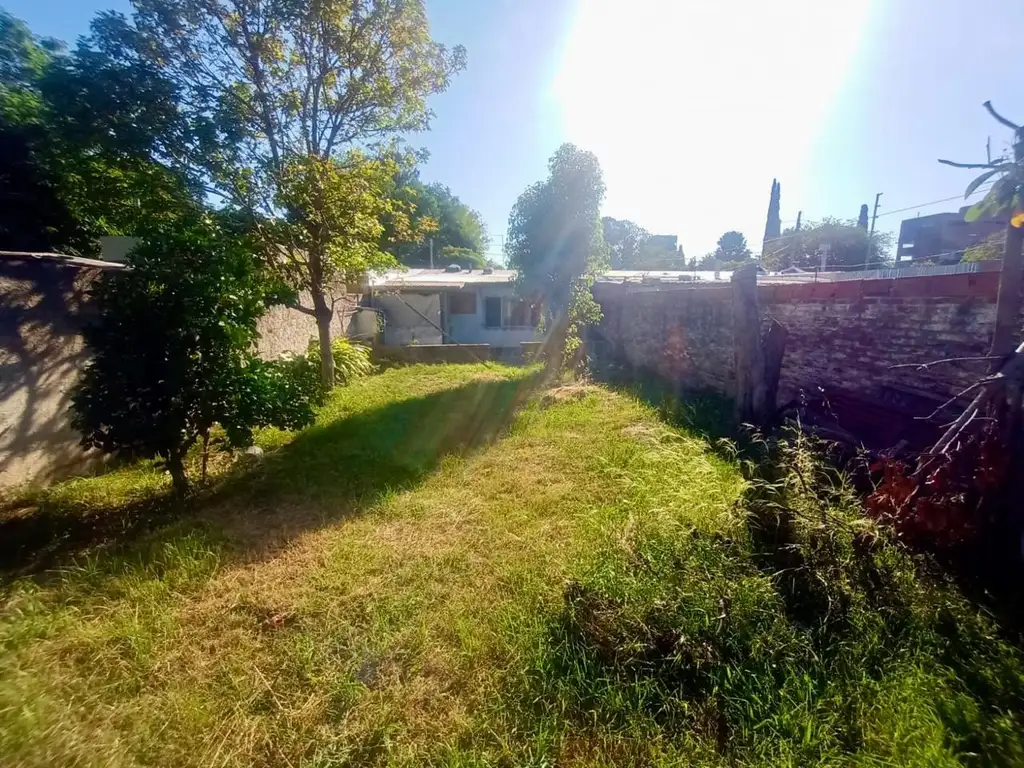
[(926, 366)]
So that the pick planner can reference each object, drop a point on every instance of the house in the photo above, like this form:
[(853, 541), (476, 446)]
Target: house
[(943, 236), (453, 306)]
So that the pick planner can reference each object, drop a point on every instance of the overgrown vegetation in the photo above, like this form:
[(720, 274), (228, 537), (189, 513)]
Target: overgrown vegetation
[(172, 352), (427, 576)]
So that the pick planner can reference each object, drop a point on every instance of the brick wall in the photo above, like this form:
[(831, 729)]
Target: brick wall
[(845, 334)]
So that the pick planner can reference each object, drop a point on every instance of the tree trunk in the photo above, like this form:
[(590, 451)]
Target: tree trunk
[(206, 455), (554, 345), (324, 315), (179, 481), (1008, 304)]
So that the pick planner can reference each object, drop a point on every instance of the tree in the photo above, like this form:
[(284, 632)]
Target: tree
[(459, 234), (92, 145), (862, 218), (731, 251), (555, 242), (333, 231), (630, 246), (1004, 198), (625, 240), (32, 215), (843, 243), (172, 352), (773, 224), (272, 86)]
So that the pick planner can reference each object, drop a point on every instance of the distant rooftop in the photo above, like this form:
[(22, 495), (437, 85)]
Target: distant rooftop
[(440, 279)]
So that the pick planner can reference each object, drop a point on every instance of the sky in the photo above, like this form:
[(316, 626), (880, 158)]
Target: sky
[(694, 106)]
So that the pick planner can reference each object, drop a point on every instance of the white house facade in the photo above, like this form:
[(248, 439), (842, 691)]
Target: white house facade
[(449, 306)]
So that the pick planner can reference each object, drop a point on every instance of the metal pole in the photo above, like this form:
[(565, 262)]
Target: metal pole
[(871, 234), (431, 253)]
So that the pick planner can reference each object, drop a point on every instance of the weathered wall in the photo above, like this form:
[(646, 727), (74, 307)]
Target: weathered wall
[(43, 308), (284, 329), (848, 334)]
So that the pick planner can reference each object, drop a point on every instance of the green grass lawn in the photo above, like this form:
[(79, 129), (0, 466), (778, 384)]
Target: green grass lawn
[(453, 567)]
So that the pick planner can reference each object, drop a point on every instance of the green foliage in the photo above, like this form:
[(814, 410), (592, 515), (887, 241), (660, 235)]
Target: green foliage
[(555, 239), (94, 146), (862, 217), (730, 253), (276, 94), (457, 230), (990, 248), (1006, 196), (338, 209), (630, 246), (172, 351), (847, 245), (351, 361)]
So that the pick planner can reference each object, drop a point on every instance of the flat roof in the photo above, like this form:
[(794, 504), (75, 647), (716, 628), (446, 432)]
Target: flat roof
[(440, 279)]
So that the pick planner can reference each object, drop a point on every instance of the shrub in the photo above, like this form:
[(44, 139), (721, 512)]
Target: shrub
[(172, 351), (351, 361)]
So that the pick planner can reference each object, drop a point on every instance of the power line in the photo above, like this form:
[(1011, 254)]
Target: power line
[(983, 188)]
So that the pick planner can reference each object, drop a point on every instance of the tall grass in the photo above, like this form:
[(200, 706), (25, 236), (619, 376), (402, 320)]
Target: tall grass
[(801, 637)]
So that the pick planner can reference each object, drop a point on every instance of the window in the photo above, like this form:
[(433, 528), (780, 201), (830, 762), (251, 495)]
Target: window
[(521, 314), (510, 313), (462, 303), (492, 312)]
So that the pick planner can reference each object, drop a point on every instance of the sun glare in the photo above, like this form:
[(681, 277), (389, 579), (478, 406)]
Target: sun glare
[(693, 107)]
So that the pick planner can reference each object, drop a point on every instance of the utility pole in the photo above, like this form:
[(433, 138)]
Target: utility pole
[(871, 234), (431, 253)]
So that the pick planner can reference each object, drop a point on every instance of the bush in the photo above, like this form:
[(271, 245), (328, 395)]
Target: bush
[(172, 351), (351, 361)]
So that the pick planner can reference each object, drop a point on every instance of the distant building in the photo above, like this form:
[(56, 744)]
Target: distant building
[(943, 236)]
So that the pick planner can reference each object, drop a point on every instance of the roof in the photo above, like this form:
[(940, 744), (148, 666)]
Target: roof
[(440, 279), (662, 276)]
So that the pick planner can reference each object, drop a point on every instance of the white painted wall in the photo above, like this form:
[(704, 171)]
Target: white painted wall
[(469, 329)]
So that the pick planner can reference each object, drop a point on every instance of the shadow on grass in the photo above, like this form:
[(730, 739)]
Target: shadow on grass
[(332, 470), (328, 471), (704, 413)]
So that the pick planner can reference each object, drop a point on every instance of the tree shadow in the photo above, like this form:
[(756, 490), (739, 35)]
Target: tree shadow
[(43, 305), (327, 472)]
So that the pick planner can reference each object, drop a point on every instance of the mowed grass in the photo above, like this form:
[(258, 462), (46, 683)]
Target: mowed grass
[(455, 567)]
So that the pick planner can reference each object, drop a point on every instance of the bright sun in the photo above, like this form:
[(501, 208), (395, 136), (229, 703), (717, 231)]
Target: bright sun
[(693, 106)]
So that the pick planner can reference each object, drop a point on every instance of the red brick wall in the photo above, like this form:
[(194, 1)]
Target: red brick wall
[(847, 334)]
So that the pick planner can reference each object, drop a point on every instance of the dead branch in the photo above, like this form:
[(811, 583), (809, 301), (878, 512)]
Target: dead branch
[(926, 366), (968, 165), (999, 118), (951, 400)]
